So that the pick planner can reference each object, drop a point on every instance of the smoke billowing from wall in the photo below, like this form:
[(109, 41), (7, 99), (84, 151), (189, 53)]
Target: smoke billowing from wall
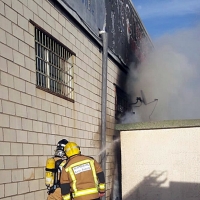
[(171, 74)]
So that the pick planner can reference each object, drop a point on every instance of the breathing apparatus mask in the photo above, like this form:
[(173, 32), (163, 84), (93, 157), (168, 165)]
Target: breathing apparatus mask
[(59, 152)]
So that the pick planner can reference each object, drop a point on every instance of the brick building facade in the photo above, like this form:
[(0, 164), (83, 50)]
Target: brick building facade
[(50, 89), (33, 118)]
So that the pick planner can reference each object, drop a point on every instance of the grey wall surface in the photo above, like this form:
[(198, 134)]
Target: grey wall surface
[(92, 12)]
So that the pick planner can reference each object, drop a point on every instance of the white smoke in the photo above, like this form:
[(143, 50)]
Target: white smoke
[(171, 74)]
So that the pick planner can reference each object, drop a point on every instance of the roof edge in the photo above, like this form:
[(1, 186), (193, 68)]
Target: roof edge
[(166, 124)]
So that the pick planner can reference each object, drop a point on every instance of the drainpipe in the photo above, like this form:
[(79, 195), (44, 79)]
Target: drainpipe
[(104, 101)]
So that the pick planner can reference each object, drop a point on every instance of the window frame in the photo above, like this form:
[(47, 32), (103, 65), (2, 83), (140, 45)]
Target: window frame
[(73, 55), (120, 102)]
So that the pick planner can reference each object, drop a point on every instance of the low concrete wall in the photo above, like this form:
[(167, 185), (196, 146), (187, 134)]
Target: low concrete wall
[(161, 163)]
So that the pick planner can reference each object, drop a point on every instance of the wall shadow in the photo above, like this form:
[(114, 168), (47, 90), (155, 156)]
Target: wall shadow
[(116, 183), (155, 187)]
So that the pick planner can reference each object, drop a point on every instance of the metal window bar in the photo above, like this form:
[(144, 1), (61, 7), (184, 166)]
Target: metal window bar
[(54, 65)]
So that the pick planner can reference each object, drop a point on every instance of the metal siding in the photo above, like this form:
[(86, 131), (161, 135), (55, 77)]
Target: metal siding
[(125, 30), (124, 27), (92, 12)]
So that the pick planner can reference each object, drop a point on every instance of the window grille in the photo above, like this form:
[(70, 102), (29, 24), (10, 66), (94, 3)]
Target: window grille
[(54, 66)]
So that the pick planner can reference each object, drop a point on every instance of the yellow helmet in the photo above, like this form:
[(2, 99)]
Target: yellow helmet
[(71, 149)]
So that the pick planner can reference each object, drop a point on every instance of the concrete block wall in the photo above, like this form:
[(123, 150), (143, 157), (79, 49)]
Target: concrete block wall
[(33, 121)]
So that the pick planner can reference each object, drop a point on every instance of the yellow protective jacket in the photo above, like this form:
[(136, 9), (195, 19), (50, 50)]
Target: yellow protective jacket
[(82, 178), (56, 194)]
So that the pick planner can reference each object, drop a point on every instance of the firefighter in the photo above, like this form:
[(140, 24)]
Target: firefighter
[(53, 171), (82, 177)]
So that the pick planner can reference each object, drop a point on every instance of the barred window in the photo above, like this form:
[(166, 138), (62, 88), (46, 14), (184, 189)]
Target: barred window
[(54, 65)]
